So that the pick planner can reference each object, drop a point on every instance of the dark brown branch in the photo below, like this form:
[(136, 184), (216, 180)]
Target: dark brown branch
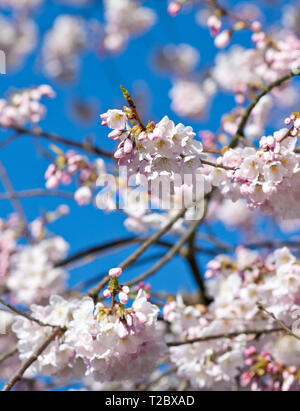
[(86, 146), (170, 254), (134, 256), (192, 261), (19, 374), (265, 90)]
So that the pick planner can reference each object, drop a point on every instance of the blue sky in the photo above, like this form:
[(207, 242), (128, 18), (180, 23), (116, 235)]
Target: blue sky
[(100, 79)]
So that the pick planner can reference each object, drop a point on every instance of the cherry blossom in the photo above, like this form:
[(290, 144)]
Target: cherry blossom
[(99, 339), (24, 107), (124, 19), (238, 285), (218, 196), (17, 40), (61, 58), (33, 275), (266, 177), (72, 164)]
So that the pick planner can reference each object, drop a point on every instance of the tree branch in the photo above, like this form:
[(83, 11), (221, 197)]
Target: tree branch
[(281, 323), (38, 192), (134, 256), (8, 354), (86, 146), (19, 374), (22, 314), (266, 90), (170, 254), (229, 335)]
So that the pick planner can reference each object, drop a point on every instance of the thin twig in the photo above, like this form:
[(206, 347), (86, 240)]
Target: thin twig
[(10, 353), (228, 335), (134, 256), (37, 192), (86, 145), (19, 374), (14, 200), (266, 90), (22, 314), (281, 323), (170, 254)]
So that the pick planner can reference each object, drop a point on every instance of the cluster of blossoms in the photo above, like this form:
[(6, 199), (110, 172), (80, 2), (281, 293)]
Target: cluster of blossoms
[(72, 164), (232, 214), (110, 344), (265, 373), (180, 59), (190, 95), (17, 40), (160, 150), (33, 276), (58, 358), (37, 227), (62, 46), (208, 364), (13, 229), (24, 106), (237, 286), (124, 19), (190, 98), (242, 70), (268, 178), (257, 122)]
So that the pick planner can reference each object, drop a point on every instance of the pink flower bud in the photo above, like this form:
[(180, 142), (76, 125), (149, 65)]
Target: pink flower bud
[(123, 297), (83, 195), (47, 91), (115, 272), (66, 178), (63, 210), (287, 121), (214, 24), (256, 26), (52, 182), (50, 171), (104, 118), (115, 134), (223, 39), (174, 8), (126, 289), (106, 293), (128, 146)]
